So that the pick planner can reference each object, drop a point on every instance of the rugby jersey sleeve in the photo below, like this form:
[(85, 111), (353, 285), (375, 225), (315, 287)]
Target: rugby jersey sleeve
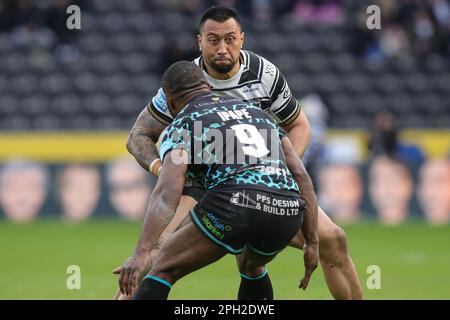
[(158, 108), (284, 107), (177, 137)]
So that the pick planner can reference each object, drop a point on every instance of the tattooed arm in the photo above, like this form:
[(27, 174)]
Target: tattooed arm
[(142, 138)]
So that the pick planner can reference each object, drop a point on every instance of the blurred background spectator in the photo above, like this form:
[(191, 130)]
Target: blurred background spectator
[(434, 191), (317, 114), (129, 188), (23, 189), (341, 192), (78, 187), (384, 141), (384, 138), (391, 189), (318, 11), (55, 19), (28, 29), (409, 28)]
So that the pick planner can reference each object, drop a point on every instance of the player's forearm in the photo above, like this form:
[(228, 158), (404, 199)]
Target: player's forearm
[(142, 147), (310, 213), (142, 139), (301, 176), (160, 212), (163, 203), (156, 220)]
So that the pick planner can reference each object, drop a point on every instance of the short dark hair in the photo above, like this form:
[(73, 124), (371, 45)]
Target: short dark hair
[(218, 14), (183, 77)]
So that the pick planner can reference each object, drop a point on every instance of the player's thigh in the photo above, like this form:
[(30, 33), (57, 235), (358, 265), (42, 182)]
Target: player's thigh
[(187, 250), (185, 205), (326, 230)]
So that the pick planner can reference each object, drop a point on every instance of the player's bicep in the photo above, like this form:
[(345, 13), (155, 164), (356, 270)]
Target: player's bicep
[(284, 107), (299, 120)]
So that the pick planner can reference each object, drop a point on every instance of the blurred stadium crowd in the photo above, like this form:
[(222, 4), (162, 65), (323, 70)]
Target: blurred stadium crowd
[(346, 76)]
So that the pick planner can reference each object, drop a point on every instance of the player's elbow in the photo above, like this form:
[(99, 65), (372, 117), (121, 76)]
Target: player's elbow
[(133, 141), (130, 142), (306, 127), (297, 168)]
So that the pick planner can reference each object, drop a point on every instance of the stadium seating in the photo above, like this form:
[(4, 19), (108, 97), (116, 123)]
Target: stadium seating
[(121, 51)]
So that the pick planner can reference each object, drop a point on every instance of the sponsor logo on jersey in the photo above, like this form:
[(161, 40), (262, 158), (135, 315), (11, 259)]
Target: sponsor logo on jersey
[(159, 101), (270, 69)]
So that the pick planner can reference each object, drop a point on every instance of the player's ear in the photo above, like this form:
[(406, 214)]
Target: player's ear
[(171, 105), (199, 42), (242, 39)]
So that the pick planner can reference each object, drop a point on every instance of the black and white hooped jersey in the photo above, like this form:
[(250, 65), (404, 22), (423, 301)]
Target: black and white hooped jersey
[(258, 82)]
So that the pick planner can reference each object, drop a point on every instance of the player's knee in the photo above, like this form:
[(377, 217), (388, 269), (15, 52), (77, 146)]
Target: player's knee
[(252, 271), (249, 268), (334, 239)]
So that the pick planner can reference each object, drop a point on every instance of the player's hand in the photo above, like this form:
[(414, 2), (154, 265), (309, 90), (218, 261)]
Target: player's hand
[(311, 259), (132, 272), (117, 270)]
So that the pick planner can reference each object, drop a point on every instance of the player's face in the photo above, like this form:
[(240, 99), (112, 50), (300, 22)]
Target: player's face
[(220, 44)]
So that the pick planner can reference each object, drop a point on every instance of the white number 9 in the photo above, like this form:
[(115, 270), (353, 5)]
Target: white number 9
[(253, 141)]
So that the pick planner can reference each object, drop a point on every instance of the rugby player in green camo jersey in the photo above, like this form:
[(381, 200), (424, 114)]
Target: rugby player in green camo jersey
[(249, 77), (258, 193)]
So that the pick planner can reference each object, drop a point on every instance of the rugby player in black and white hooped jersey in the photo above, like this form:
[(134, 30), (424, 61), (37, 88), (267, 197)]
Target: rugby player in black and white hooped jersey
[(245, 75)]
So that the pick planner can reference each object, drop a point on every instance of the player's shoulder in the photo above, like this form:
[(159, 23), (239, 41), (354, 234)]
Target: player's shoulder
[(267, 72), (253, 61)]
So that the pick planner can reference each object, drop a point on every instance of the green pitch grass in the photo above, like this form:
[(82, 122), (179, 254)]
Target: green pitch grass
[(414, 260)]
